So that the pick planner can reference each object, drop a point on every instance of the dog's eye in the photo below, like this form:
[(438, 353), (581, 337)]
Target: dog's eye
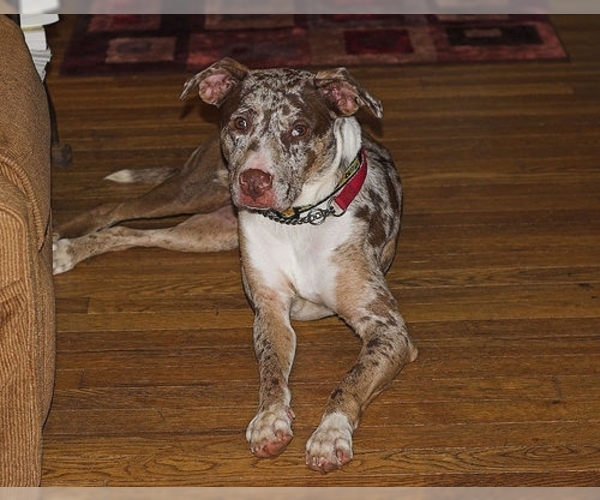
[(240, 124), (299, 130)]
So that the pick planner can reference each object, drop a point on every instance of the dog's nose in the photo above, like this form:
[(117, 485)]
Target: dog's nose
[(255, 183)]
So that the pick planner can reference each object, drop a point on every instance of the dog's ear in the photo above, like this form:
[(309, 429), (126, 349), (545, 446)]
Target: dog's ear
[(216, 82), (345, 93)]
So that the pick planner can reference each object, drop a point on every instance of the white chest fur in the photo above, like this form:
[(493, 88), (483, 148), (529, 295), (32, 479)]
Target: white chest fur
[(299, 261)]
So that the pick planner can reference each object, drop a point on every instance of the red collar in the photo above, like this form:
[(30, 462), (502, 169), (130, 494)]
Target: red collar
[(353, 184), (335, 204)]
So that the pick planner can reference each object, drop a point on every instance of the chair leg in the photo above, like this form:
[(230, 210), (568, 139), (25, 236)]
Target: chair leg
[(62, 154)]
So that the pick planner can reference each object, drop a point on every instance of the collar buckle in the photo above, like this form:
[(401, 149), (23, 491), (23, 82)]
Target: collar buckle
[(317, 216)]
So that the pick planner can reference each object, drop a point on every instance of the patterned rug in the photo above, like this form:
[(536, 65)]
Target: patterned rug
[(127, 44)]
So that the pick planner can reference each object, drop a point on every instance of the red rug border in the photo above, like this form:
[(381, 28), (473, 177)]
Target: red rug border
[(86, 54)]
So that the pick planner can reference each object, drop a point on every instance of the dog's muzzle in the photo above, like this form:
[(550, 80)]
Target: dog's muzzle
[(335, 204)]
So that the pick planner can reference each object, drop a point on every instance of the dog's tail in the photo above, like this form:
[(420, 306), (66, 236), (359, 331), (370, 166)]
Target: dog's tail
[(142, 176)]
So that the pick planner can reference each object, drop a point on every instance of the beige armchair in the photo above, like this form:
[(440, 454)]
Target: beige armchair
[(27, 325)]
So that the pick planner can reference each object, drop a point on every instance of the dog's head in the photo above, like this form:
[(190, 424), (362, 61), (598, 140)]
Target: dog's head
[(285, 132)]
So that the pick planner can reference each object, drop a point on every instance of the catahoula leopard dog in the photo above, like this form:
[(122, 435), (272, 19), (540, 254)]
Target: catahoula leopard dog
[(314, 204)]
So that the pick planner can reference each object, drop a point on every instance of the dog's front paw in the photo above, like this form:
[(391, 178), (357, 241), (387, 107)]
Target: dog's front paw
[(270, 431), (62, 256), (330, 446)]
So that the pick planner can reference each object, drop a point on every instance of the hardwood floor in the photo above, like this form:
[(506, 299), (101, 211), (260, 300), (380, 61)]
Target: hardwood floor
[(497, 273)]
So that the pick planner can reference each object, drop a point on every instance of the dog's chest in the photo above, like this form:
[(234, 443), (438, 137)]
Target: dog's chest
[(298, 258)]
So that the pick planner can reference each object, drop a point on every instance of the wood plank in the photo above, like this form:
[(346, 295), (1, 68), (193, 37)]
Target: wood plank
[(368, 438), (182, 292), (433, 356), (115, 421), (188, 469), (144, 372), (414, 390), (559, 333)]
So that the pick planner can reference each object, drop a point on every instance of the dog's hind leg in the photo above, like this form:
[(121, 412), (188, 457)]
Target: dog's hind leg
[(212, 232), (201, 186)]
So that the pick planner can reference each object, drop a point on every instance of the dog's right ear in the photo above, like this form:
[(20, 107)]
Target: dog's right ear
[(216, 82)]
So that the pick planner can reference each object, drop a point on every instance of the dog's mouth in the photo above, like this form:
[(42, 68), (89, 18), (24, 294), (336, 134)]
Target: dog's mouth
[(260, 204), (257, 190), (254, 204)]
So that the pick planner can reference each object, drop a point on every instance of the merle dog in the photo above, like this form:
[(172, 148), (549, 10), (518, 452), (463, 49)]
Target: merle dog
[(314, 204)]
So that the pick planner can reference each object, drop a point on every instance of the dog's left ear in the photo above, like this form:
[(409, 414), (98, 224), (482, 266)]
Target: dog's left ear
[(345, 93)]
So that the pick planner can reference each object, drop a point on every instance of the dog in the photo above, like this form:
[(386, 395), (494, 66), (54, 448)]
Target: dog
[(314, 204)]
